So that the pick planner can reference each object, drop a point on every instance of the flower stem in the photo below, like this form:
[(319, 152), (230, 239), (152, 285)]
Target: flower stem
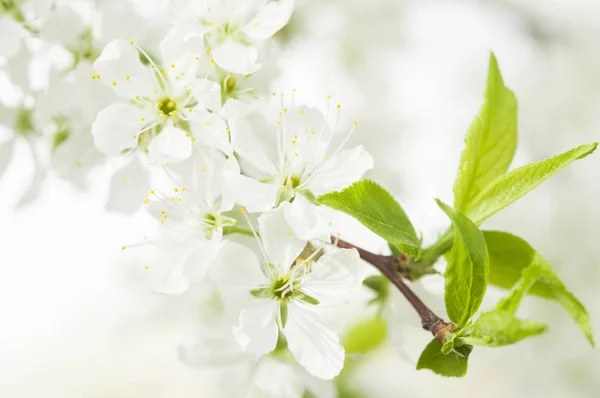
[(387, 265)]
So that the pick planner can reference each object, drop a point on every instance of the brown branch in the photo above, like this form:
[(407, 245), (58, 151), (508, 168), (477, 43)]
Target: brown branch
[(389, 267)]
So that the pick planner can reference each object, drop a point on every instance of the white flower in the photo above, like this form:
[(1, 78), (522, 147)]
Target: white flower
[(234, 30), (192, 219), (293, 161), (286, 293), (161, 98), (12, 34)]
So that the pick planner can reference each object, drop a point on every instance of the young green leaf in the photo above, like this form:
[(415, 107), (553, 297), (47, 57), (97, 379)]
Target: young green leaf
[(509, 187), (497, 328), (514, 263), (376, 209), (491, 141), (452, 365), (467, 272), (365, 336)]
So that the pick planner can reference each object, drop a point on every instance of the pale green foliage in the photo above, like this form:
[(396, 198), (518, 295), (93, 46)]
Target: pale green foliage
[(515, 264), (376, 209), (500, 327), (467, 272), (509, 187), (490, 143), (454, 364), (365, 336)]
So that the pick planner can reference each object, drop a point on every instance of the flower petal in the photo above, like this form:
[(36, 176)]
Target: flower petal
[(257, 330), (11, 33), (251, 194), (306, 220), (281, 245), (128, 187), (272, 16), (119, 67), (334, 276), (340, 171), (6, 149), (209, 129), (236, 267), (62, 25), (171, 145), (236, 57), (199, 261), (116, 128), (207, 93), (314, 344)]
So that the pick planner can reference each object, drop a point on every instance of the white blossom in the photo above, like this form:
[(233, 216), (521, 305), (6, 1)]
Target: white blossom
[(285, 293), (295, 160)]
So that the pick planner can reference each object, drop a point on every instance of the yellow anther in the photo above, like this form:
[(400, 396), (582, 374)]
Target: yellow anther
[(142, 119), (152, 192), (162, 221), (123, 181), (339, 106), (116, 37), (197, 57), (312, 132), (176, 190), (173, 113), (193, 138), (172, 66), (289, 233), (242, 210), (354, 123), (324, 157), (131, 42), (146, 267), (127, 77), (114, 83), (329, 97), (302, 112), (256, 23), (123, 247), (203, 169), (189, 109)]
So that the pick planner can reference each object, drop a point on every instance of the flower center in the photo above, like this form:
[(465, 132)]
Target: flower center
[(167, 106), (282, 288)]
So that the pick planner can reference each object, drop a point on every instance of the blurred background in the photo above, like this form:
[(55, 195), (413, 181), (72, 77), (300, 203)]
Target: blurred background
[(78, 322)]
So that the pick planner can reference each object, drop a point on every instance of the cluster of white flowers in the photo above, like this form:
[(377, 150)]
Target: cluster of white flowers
[(179, 92)]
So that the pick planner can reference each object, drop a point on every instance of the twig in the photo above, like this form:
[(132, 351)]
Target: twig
[(388, 266)]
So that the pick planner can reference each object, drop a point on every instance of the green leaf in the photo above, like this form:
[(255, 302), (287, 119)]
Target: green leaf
[(452, 365), (467, 272), (498, 327), (376, 209), (509, 187), (515, 264), (365, 336), (491, 141)]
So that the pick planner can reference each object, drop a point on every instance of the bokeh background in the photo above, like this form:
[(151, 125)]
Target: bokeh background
[(76, 321)]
